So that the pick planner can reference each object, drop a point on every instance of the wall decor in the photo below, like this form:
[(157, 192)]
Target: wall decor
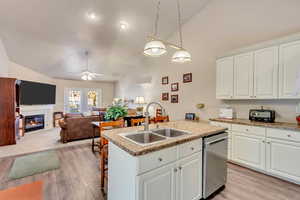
[(165, 96), (174, 98), (174, 87), (187, 78), (165, 80)]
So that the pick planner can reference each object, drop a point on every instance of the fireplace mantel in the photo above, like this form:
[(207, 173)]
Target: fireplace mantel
[(46, 110)]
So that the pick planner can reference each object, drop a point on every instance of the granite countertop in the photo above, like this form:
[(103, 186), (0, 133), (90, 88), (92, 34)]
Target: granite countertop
[(197, 130), (280, 125)]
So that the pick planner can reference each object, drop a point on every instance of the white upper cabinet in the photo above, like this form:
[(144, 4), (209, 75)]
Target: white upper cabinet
[(243, 76), (289, 70), (224, 82), (266, 73)]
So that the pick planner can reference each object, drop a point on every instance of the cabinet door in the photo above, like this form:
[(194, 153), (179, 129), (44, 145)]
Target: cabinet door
[(289, 70), (243, 76), (229, 156), (224, 83), (248, 150), (157, 184), (266, 73), (189, 184), (283, 159)]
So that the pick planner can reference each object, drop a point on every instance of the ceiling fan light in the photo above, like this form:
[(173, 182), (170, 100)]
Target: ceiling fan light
[(155, 48), (181, 56), (89, 77), (84, 77)]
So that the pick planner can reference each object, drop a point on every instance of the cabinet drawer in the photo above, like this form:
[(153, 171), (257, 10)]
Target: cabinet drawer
[(156, 159), (283, 134), (189, 148), (254, 130), (220, 124)]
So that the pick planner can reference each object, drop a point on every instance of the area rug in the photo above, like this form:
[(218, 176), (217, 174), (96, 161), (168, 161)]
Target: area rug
[(35, 163), (32, 191)]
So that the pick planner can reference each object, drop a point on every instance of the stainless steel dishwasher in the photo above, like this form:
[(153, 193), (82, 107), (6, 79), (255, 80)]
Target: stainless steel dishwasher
[(214, 163)]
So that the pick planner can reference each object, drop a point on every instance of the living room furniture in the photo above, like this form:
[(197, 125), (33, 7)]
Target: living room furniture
[(75, 127), (56, 117), (9, 110), (158, 119), (128, 119), (136, 122)]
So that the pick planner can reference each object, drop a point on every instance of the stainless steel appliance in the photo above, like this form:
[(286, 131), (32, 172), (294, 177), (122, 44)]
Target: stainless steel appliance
[(214, 163), (262, 115)]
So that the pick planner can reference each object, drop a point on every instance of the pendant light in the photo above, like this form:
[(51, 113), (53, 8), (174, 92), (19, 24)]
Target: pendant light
[(155, 48), (181, 55), (87, 75)]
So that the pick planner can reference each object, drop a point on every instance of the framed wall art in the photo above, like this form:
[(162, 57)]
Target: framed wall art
[(187, 78), (174, 98), (165, 96), (174, 87), (165, 80)]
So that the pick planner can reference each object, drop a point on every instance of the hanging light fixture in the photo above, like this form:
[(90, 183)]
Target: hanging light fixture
[(155, 47), (181, 55), (87, 75)]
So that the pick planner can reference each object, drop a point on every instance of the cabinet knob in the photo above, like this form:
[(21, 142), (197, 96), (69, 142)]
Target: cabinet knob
[(160, 159), (263, 141), (175, 170), (289, 135), (180, 168), (192, 148)]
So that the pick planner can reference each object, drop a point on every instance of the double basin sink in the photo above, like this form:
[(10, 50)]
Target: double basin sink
[(153, 136)]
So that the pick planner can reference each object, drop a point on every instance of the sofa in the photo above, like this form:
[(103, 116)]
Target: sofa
[(76, 127)]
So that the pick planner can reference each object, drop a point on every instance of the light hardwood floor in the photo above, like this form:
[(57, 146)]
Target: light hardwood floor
[(78, 179)]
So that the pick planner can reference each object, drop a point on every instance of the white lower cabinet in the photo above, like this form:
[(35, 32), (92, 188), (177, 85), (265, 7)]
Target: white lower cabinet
[(283, 159), (179, 181), (158, 184), (189, 181), (248, 150), (229, 154)]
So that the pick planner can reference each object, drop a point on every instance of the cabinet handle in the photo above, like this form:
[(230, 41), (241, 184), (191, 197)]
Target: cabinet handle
[(175, 170), (263, 141), (192, 148), (180, 168), (160, 159), (268, 142), (289, 135)]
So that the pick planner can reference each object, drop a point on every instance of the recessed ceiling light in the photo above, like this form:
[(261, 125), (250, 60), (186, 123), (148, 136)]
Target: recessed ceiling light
[(124, 25), (92, 16)]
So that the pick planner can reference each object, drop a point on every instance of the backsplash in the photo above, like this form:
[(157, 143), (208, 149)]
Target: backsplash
[(286, 110)]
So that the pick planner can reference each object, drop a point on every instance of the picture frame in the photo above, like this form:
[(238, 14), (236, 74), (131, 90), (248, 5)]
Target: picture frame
[(190, 116), (165, 80), (165, 96), (174, 87), (174, 98), (187, 78)]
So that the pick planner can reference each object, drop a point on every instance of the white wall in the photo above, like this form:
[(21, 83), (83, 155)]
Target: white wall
[(3, 61), (223, 25), (24, 73)]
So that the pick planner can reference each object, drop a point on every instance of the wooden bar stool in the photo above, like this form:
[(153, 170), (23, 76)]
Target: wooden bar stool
[(161, 119), (104, 148), (136, 122)]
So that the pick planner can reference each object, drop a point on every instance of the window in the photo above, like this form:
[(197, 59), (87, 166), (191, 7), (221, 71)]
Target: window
[(80, 100)]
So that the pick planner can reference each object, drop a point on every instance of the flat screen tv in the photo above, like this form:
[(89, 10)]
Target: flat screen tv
[(33, 93)]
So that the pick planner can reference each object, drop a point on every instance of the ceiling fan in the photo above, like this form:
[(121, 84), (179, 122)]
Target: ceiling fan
[(87, 75)]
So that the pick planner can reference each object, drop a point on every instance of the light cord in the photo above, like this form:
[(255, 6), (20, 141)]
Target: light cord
[(179, 24), (157, 19)]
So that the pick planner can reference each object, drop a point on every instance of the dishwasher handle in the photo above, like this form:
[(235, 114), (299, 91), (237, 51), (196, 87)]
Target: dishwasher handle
[(216, 141)]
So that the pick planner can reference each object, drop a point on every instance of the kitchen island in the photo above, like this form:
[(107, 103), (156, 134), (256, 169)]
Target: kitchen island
[(167, 169)]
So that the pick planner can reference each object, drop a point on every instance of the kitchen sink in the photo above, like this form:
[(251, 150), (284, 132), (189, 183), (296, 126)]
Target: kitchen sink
[(168, 132), (144, 138)]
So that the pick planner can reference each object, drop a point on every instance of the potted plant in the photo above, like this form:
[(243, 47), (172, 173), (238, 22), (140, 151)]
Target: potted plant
[(116, 111)]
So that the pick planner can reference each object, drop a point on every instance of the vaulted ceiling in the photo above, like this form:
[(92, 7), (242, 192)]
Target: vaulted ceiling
[(51, 36)]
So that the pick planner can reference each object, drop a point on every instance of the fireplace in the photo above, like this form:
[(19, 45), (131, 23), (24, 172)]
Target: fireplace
[(34, 122)]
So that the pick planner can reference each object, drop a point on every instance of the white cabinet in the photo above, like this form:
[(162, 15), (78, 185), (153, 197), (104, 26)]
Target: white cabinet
[(229, 154), (243, 76), (189, 181), (283, 159), (158, 184), (224, 79), (266, 73), (289, 70), (248, 150)]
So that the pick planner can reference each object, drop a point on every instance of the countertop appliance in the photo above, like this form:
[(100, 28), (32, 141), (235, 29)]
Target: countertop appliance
[(214, 163), (262, 115), (226, 113)]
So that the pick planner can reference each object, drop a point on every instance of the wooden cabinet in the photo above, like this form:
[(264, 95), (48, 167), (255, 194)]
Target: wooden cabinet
[(224, 79), (189, 181), (289, 70), (283, 159), (266, 73), (243, 76), (158, 184), (9, 108), (248, 150)]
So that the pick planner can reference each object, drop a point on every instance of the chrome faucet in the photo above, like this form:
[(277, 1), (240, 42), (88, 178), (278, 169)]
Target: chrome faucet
[(146, 124)]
